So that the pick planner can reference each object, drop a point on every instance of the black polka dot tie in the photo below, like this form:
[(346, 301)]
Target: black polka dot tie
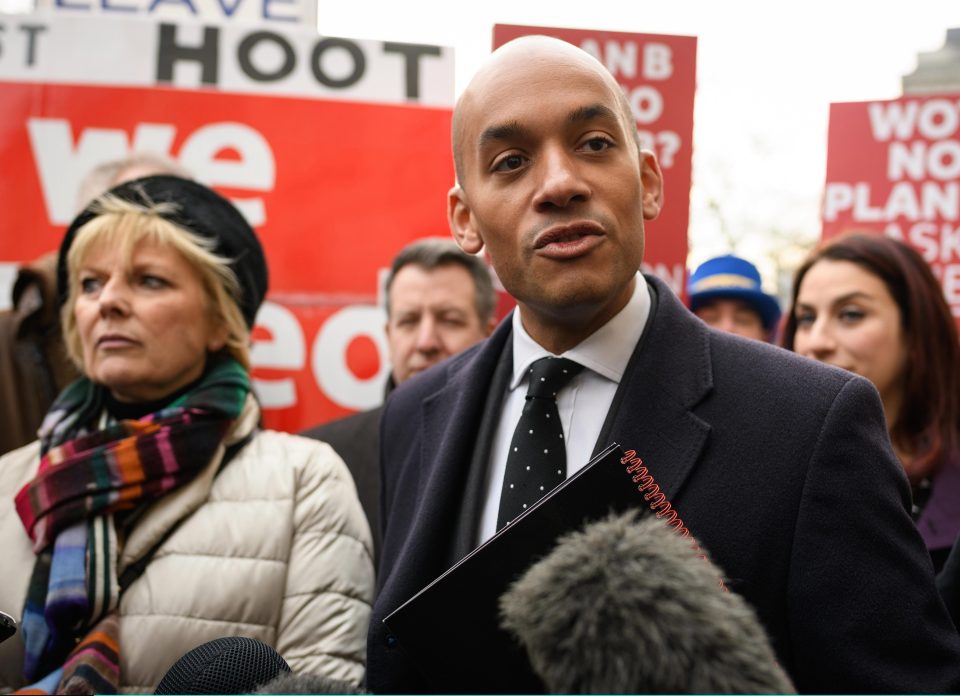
[(537, 460)]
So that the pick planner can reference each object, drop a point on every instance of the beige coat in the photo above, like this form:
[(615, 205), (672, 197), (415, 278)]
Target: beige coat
[(276, 548)]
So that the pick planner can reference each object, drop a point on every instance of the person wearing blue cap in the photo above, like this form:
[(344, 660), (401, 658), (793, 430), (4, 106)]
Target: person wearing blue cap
[(726, 293)]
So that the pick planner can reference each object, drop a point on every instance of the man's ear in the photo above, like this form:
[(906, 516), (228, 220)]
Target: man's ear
[(652, 179), (461, 221)]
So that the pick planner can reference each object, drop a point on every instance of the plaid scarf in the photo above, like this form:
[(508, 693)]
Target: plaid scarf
[(85, 476)]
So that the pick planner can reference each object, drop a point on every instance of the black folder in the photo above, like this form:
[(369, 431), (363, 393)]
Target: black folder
[(450, 629)]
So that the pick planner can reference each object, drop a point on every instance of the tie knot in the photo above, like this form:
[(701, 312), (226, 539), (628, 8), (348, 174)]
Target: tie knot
[(549, 375)]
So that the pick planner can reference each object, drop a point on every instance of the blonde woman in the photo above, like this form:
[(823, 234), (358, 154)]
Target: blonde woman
[(153, 514)]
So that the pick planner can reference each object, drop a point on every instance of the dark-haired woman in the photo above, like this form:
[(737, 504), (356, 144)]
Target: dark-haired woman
[(871, 305)]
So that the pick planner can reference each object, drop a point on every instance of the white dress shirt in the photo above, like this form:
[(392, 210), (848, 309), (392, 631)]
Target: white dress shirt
[(583, 404)]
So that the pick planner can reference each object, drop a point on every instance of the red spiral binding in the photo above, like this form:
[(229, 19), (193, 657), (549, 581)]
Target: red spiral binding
[(658, 502)]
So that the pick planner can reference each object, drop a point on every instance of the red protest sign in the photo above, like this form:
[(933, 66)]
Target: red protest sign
[(332, 214), (339, 157), (893, 168), (658, 75)]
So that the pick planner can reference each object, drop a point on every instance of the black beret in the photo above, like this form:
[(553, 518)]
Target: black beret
[(200, 210)]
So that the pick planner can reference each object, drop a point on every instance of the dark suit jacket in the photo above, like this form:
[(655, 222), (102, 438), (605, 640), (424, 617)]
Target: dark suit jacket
[(948, 582), (780, 466), (356, 439)]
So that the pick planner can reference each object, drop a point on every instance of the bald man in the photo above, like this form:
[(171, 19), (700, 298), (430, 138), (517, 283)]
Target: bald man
[(780, 466)]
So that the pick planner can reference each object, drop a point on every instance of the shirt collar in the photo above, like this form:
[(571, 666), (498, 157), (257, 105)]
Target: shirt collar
[(606, 351)]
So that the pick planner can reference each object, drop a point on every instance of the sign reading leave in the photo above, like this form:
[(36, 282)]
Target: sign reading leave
[(301, 12)]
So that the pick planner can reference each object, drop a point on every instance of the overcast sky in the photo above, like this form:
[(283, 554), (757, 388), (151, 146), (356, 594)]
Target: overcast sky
[(766, 74)]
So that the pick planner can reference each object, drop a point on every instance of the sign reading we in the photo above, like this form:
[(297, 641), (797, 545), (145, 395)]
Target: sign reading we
[(893, 167)]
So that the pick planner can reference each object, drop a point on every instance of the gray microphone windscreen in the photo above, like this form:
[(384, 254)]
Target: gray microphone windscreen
[(630, 607)]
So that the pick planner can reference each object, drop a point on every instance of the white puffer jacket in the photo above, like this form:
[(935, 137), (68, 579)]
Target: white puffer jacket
[(276, 548)]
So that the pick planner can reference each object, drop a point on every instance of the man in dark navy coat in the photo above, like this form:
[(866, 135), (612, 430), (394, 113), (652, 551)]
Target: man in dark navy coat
[(780, 467)]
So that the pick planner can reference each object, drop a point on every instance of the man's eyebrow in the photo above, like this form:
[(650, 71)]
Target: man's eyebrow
[(515, 131), (590, 112), (506, 131)]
